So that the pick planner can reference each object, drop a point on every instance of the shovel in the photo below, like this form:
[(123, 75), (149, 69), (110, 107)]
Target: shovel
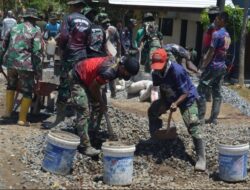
[(165, 134)]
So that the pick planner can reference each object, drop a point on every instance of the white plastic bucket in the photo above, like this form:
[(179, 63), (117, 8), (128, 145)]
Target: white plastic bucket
[(51, 47), (118, 163), (233, 162), (60, 151)]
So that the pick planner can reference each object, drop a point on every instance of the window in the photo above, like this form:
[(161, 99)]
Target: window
[(166, 26)]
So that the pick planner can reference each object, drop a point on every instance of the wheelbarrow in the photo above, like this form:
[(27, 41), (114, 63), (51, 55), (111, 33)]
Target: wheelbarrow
[(41, 89)]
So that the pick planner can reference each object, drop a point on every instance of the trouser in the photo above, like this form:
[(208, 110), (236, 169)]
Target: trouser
[(23, 80), (189, 115), (210, 79), (64, 86), (80, 102)]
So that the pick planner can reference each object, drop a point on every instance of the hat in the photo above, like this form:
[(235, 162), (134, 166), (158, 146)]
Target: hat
[(72, 2), (148, 17), (131, 64), (31, 13), (159, 59)]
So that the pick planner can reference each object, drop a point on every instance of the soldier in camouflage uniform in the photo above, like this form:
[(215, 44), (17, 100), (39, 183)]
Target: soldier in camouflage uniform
[(21, 55), (152, 38), (73, 41), (87, 78)]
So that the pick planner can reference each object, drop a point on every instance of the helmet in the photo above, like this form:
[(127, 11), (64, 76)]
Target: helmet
[(72, 2), (131, 64)]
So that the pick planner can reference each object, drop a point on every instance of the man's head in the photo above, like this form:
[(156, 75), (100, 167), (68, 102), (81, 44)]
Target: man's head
[(159, 59), (31, 15), (53, 19), (213, 11), (76, 5), (128, 67), (10, 14), (221, 20), (148, 17), (90, 13)]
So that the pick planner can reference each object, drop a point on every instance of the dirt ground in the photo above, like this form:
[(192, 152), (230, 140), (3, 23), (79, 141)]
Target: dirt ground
[(11, 151)]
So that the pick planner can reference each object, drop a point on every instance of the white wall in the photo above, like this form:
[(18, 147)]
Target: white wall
[(191, 27)]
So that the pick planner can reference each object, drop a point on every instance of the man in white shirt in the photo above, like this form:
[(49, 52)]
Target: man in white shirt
[(8, 23)]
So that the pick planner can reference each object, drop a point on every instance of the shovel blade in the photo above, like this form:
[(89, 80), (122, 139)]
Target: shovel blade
[(165, 134)]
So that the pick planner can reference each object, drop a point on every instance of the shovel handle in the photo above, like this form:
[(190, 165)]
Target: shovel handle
[(169, 119)]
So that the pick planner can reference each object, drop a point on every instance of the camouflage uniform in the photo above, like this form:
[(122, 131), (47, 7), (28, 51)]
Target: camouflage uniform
[(152, 37), (21, 63)]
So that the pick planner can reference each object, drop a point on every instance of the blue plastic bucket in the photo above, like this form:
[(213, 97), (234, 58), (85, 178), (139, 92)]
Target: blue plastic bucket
[(59, 152), (118, 163), (233, 162)]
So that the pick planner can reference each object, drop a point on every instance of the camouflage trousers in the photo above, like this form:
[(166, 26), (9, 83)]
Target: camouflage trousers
[(80, 102), (22, 81), (211, 79), (189, 116), (64, 86)]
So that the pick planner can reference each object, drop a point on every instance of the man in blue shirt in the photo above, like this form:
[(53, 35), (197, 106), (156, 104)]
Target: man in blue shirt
[(176, 90), (52, 27), (214, 69)]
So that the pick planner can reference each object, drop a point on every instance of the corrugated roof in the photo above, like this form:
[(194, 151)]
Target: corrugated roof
[(169, 3)]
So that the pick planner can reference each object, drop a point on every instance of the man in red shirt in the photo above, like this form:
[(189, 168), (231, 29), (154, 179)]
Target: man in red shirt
[(87, 78)]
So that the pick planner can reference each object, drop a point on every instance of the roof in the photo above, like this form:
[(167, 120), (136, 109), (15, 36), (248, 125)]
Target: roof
[(169, 3)]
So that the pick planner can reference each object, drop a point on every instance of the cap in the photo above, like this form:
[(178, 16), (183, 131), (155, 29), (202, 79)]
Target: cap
[(159, 59), (72, 2), (131, 64)]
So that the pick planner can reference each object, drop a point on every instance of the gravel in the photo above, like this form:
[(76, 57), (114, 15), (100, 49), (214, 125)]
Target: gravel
[(159, 164)]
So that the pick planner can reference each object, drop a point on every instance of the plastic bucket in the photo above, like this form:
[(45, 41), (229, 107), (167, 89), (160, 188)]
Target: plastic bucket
[(118, 163), (59, 152), (233, 162)]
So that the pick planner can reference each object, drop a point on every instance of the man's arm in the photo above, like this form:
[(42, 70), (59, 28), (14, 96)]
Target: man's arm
[(208, 57)]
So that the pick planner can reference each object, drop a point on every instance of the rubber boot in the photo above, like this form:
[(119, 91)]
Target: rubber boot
[(85, 146), (214, 112), (60, 115), (9, 103), (201, 155), (25, 105)]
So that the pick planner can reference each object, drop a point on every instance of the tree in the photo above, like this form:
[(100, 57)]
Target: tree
[(243, 44)]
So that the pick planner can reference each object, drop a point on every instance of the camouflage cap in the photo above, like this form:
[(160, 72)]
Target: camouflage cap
[(72, 2), (31, 13)]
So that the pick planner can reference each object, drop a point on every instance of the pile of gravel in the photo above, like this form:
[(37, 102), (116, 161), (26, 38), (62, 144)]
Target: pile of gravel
[(165, 164)]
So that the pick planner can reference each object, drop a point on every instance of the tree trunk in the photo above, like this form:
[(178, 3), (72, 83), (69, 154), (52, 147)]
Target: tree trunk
[(243, 44), (221, 4)]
